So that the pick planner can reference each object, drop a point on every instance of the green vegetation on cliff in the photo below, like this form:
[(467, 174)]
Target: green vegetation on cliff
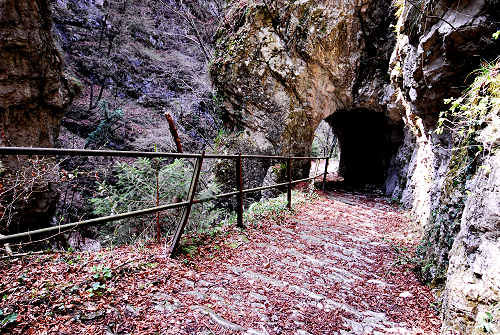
[(473, 121)]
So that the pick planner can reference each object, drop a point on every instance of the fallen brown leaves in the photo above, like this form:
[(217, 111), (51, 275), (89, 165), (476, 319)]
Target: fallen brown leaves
[(329, 267)]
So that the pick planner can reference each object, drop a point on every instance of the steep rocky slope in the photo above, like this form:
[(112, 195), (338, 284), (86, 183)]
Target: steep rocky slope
[(282, 67), (144, 58)]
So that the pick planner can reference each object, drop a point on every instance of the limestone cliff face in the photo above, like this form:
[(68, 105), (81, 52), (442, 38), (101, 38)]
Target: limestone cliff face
[(455, 200), (281, 69), (473, 276), (33, 90), (34, 94)]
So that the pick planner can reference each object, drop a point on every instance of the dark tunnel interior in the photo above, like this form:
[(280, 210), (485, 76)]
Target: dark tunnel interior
[(368, 140)]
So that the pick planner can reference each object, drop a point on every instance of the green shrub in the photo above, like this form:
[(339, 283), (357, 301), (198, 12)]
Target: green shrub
[(135, 189), (276, 208), (104, 133), (471, 112)]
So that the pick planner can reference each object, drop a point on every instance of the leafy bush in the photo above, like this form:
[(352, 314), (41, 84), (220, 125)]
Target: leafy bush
[(135, 189)]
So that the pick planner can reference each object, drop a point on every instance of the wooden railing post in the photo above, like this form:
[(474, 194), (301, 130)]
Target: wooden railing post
[(289, 174), (173, 132), (326, 172), (239, 181), (185, 216)]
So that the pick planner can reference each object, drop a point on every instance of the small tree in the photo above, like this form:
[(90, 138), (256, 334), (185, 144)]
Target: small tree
[(104, 133)]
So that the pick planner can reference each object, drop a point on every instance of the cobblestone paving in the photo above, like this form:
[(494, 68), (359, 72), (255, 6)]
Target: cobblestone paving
[(327, 270)]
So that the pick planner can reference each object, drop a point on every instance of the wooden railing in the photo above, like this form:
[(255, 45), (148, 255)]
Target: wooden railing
[(9, 151)]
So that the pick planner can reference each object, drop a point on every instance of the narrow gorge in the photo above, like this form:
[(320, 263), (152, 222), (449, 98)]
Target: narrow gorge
[(379, 72)]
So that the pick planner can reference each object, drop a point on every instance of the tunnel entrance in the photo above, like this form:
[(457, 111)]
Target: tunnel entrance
[(368, 140)]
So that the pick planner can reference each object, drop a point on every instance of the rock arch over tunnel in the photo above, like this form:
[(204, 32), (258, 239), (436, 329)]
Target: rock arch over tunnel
[(277, 84), (368, 140)]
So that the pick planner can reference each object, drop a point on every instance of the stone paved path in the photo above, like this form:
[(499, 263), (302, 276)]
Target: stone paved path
[(328, 270)]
